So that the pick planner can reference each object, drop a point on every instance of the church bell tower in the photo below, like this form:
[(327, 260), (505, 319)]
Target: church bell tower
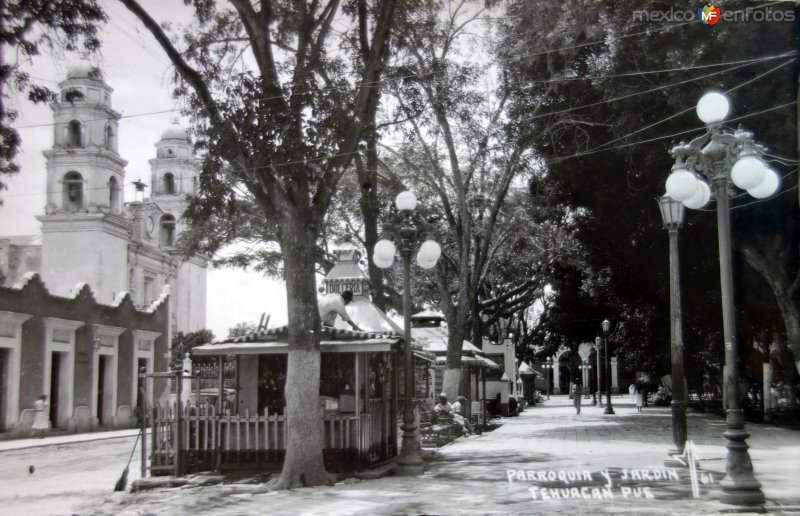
[(84, 230)]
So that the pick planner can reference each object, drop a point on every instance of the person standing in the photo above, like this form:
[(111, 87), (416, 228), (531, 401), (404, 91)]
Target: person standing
[(576, 397), (41, 420), (638, 395), (331, 305)]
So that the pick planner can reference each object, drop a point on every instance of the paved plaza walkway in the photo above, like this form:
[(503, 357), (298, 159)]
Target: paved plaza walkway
[(546, 461)]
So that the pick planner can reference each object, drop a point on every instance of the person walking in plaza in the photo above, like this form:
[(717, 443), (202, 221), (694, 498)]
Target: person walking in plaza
[(638, 396), (41, 420), (331, 305), (576, 397)]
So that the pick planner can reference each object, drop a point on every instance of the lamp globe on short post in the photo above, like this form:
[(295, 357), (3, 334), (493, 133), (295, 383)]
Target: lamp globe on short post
[(606, 327), (725, 157), (410, 460), (672, 214)]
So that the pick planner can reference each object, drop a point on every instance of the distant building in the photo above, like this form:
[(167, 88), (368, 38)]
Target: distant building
[(84, 355), (90, 235)]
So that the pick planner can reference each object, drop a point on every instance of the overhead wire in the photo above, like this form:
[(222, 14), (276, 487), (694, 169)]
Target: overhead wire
[(635, 94), (738, 64), (683, 111), (323, 158), (378, 83)]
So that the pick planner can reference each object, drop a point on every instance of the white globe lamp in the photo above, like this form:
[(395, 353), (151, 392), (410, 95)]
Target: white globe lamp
[(768, 185), (713, 108), (382, 264), (384, 249), (681, 184), (748, 172), (383, 254), (700, 197), (428, 254), (405, 201)]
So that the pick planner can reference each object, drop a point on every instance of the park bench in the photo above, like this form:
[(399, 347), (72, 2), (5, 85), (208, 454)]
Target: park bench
[(437, 431)]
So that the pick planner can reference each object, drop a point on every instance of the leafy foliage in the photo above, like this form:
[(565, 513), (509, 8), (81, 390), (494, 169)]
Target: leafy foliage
[(241, 329), (279, 113), (28, 28), (182, 343), (612, 90)]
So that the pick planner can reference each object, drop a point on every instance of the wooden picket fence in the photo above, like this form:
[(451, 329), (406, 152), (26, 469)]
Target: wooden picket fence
[(209, 440)]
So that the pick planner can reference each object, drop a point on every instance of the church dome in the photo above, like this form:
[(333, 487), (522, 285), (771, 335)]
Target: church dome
[(83, 69), (175, 131)]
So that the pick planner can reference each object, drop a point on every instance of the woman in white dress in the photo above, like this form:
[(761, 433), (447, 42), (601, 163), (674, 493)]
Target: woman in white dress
[(41, 420), (638, 395)]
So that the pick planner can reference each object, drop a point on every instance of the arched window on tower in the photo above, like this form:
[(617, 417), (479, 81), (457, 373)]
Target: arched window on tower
[(110, 140), (73, 191), (114, 195), (169, 184), (167, 231), (74, 134)]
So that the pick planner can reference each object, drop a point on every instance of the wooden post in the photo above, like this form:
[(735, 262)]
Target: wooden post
[(220, 397), (143, 417), (178, 429), (483, 400)]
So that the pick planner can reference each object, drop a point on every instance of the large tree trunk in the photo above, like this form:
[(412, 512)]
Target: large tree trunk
[(455, 343), (303, 465), (368, 178), (786, 288)]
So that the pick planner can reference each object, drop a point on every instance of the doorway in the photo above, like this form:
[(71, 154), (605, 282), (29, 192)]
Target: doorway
[(141, 367), (101, 391), (55, 384), (3, 388)]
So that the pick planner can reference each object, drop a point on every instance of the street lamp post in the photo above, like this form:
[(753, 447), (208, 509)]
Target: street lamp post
[(724, 156), (597, 343), (548, 365), (606, 327), (410, 460), (672, 213)]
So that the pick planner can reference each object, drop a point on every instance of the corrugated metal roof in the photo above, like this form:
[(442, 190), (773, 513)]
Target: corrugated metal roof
[(434, 339), (476, 360), (281, 333), (346, 270), (280, 347), (332, 340), (368, 317)]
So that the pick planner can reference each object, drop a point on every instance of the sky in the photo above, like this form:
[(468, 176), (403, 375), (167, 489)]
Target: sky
[(139, 73)]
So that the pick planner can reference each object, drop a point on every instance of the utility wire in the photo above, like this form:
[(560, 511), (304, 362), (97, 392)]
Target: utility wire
[(740, 64), (673, 135), (323, 158), (635, 94), (675, 115)]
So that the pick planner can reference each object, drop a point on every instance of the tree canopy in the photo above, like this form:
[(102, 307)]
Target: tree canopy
[(27, 29)]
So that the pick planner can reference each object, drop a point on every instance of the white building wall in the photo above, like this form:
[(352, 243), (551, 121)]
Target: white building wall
[(191, 297), (90, 256)]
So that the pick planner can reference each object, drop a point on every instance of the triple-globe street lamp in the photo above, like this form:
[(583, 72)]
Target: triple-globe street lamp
[(724, 156), (410, 460)]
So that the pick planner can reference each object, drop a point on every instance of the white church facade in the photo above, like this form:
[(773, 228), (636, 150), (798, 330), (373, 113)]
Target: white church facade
[(90, 234)]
